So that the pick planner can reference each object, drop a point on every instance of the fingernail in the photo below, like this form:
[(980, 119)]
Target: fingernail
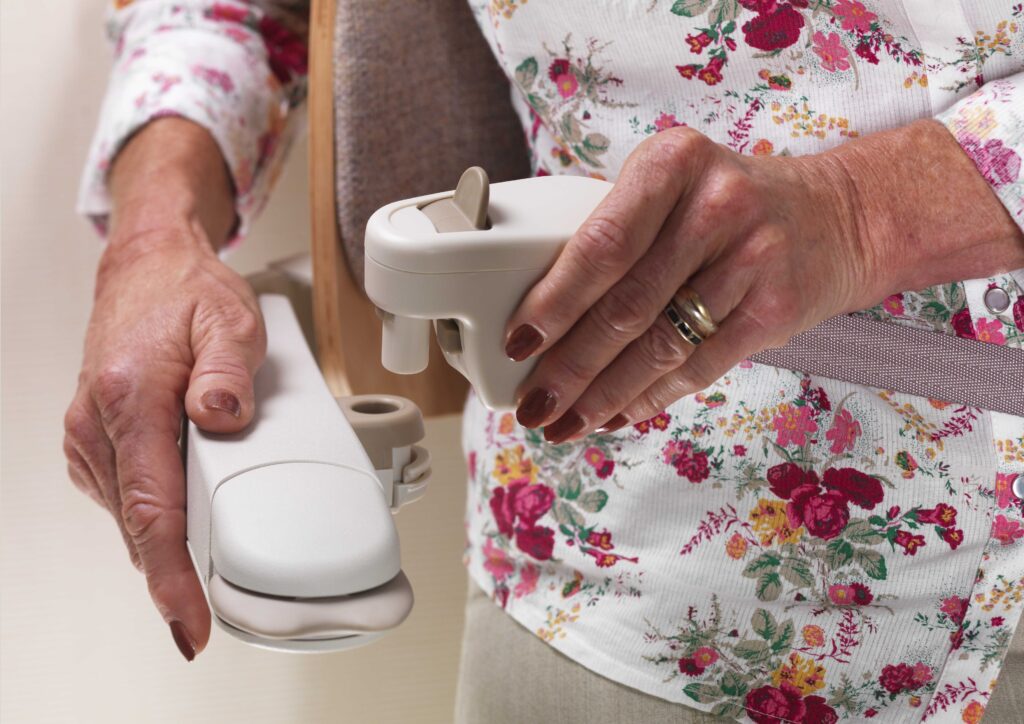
[(183, 640), (221, 400), (613, 424), (564, 427), (535, 407), (523, 342)]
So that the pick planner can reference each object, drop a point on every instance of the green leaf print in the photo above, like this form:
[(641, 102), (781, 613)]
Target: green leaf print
[(733, 684), (859, 530), (690, 8), (797, 572), (596, 142), (725, 11), (752, 650), (570, 487), (764, 624), (763, 563), (593, 501), (526, 72), (872, 563), (567, 515), (838, 553), (702, 693), (784, 637), (768, 587)]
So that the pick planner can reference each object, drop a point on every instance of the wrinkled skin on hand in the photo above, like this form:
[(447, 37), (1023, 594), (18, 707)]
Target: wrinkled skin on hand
[(173, 331)]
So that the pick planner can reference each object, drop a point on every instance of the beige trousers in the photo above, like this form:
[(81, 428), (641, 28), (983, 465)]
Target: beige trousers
[(509, 676)]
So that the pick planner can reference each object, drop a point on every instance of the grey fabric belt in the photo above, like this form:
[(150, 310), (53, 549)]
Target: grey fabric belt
[(909, 360)]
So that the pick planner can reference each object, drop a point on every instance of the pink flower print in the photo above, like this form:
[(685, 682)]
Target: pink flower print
[(471, 464), (999, 164), (560, 72), (658, 422), (840, 595), (698, 42), (942, 514), (228, 13), (712, 72), (214, 77), (844, 432), (955, 608), (496, 562), (834, 57), (894, 305), (705, 656), (739, 450), (1004, 489), (286, 51), (602, 540), (527, 581), (666, 121), (593, 456), (953, 536), (793, 424), (997, 621), (990, 330), (1006, 531), (854, 16), (922, 674), (1018, 313), (531, 502)]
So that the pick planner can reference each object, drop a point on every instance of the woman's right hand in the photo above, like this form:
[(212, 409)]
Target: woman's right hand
[(173, 330)]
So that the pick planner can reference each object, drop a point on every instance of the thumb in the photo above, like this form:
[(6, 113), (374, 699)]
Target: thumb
[(227, 354)]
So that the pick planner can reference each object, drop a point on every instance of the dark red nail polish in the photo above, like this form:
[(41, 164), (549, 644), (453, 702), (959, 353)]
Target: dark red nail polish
[(523, 342), (183, 640), (613, 424), (221, 400), (535, 407), (564, 427)]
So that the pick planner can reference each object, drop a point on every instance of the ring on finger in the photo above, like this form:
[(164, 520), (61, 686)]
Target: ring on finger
[(690, 316)]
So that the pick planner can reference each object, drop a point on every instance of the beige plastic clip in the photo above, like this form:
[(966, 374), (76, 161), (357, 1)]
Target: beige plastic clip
[(389, 427)]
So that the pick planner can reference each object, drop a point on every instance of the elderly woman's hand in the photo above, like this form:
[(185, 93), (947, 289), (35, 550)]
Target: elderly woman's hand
[(772, 245), (172, 330)]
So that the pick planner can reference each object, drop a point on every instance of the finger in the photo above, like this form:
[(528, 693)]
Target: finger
[(659, 351), (634, 304), (152, 481), (91, 456), (228, 349), (743, 333), (619, 231)]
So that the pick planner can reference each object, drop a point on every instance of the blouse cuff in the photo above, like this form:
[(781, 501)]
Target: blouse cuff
[(209, 63), (989, 125)]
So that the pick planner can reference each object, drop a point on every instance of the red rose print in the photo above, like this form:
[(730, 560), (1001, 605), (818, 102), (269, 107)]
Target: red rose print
[(955, 608), (536, 542), (688, 464), (895, 679), (286, 51), (962, 324), (231, 13), (1018, 313), (531, 502), (997, 621), (759, 6), (999, 164), (941, 514), (773, 705), (774, 30), (785, 478), (823, 514), (501, 507), (818, 711), (864, 50), (909, 542), (870, 713), (856, 487)]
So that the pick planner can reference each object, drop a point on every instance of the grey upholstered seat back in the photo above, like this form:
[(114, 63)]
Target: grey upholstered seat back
[(418, 98)]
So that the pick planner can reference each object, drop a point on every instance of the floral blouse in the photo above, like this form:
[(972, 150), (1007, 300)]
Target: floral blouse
[(778, 547)]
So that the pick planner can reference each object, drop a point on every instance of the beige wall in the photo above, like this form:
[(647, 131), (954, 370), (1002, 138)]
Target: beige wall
[(79, 641)]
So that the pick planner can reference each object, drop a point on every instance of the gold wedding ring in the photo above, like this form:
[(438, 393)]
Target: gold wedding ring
[(690, 316)]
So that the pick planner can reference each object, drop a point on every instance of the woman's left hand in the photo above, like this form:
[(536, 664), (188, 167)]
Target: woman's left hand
[(772, 245)]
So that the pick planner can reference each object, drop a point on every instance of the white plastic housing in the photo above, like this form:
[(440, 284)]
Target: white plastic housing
[(475, 277)]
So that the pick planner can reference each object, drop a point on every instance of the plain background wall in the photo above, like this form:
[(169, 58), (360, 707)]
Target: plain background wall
[(79, 640)]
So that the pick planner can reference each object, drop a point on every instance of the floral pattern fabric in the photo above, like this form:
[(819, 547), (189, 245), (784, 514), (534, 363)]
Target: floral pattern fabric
[(778, 547)]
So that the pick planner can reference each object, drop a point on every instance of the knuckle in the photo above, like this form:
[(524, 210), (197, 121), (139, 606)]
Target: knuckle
[(603, 245), (729, 192), (140, 510), (674, 147), (626, 310), (112, 387), (662, 347), (79, 428)]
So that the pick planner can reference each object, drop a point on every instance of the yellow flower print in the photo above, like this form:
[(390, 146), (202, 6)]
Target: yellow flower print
[(973, 712), (507, 424), (803, 121), (505, 8), (736, 546), (510, 466), (557, 618), (802, 673), (772, 523)]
